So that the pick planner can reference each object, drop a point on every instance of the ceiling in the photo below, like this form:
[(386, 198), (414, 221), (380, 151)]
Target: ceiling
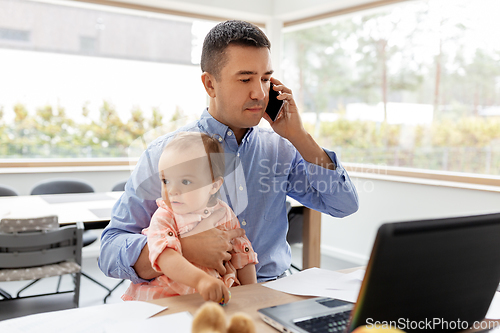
[(287, 12)]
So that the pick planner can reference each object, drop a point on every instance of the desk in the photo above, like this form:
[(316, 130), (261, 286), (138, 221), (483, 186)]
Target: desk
[(311, 236), (247, 299), (94, 210)]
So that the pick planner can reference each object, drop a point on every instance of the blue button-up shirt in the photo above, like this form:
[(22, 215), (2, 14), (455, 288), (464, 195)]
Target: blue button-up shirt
[(260, 172)]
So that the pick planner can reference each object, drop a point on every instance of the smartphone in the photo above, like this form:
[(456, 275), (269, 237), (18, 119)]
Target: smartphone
[(274, 105)]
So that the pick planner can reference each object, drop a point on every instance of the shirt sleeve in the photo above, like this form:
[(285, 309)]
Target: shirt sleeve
[(161, 234), (122, 241), (328, 191)]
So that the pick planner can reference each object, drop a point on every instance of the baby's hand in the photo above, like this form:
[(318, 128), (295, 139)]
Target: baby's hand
[(212, 289)]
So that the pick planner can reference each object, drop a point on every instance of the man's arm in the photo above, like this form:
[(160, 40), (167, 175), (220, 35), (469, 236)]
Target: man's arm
[(319, 181), (143, 266)]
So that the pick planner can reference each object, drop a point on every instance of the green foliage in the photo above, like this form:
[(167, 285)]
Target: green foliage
[(51, 133), (469, 144)]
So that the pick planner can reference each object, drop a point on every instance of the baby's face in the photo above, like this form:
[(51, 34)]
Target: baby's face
[(186, 179)]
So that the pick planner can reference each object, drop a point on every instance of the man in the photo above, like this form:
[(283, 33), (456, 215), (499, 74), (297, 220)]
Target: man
[(266, 166)]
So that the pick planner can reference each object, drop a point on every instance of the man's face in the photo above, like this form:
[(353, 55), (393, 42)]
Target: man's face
[(242, 91)]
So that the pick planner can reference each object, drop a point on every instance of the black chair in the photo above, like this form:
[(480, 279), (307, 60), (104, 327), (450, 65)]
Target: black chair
[(61, 186), (33, 249), (295, 223), (119, 186), (7, 191)]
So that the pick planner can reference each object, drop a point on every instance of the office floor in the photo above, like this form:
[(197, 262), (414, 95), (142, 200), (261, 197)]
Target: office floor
[(93, 294)]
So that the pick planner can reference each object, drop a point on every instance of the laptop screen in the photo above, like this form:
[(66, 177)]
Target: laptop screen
[(431, 275)]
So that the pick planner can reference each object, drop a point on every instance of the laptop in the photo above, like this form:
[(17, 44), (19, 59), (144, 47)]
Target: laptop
[(427, 275)]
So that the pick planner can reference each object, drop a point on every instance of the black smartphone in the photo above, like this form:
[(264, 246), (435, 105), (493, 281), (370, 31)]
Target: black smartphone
[(274, 105)]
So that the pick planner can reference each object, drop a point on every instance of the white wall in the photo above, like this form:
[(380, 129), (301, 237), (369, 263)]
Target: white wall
[(382, 201)]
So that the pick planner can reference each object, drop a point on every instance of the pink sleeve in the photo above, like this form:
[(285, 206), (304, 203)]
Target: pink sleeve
[(162, 234), (243, 253)]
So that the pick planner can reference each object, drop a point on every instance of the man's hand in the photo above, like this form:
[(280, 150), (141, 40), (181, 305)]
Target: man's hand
[(208, 246), (288, 124)]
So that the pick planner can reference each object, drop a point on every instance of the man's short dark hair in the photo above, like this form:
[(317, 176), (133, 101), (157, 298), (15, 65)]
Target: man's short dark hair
[(213, 55)]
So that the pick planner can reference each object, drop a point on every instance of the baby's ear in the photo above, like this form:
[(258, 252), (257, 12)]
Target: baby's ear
[(210, 318), (216, 185), (241, 323)]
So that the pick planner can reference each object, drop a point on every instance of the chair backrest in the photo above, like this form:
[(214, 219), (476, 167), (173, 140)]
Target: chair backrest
[(31, 248), (119, 186), (8, 225), (60, 186), (6, 191)]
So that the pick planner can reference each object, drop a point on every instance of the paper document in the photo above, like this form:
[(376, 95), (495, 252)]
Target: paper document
[(321, 282), (494, 310), (178, 322), (82, 320)]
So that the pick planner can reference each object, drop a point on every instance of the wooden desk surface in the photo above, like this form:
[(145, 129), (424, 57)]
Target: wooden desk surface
[(247, 299)]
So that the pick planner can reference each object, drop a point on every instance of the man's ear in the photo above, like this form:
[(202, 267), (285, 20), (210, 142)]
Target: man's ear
[(209, 83), (216, 185)]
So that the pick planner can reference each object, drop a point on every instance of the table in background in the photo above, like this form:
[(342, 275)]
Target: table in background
[(311, 236), (93, 209)]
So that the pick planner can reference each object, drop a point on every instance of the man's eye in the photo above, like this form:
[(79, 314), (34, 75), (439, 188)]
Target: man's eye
[(165, 181), (245, 80), (265, 80), (186, 182)]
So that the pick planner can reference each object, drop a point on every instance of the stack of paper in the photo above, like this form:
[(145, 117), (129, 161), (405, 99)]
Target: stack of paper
[(321, 282), (97, 319)]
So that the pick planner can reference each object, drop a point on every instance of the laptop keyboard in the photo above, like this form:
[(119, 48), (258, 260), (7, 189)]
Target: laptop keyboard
[(336, 322)]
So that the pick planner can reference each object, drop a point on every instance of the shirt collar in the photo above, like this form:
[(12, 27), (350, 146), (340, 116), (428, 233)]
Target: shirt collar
[(211, 125)]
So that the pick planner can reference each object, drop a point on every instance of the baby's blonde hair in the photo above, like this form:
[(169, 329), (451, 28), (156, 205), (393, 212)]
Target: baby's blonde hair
[(214, 150)]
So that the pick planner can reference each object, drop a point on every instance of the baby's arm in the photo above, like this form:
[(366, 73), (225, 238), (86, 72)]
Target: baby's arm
[(177, 268), (247, 274)]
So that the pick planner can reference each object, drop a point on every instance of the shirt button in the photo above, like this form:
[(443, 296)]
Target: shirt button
[(170, 233), (241, 188), (229, 133), (247, 249), (243, 222), (238, 154), (220, 139)]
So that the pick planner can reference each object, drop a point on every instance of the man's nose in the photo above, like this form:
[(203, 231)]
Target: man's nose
[(259, 90)]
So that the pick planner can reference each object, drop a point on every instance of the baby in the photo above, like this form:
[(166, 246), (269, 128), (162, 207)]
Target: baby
[(191, 170)]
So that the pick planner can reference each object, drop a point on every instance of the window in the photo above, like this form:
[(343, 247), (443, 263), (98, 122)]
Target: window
[(414, 85), (85, 81), (14, 35), (88, 45)]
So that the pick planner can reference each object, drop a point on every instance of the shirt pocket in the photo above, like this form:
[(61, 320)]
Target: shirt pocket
[(274, 190)]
